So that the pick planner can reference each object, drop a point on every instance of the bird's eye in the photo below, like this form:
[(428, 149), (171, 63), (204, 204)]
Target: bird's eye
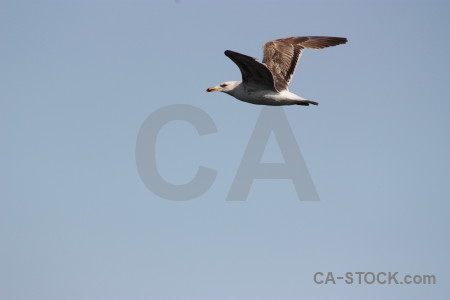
[(223, 85)]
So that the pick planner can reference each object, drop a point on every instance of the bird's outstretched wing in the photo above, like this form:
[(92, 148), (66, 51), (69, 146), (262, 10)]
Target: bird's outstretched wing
[(253, 72), (281, 56)]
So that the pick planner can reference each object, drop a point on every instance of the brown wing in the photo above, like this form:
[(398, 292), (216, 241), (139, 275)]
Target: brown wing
[(253, 72), (281, 55)]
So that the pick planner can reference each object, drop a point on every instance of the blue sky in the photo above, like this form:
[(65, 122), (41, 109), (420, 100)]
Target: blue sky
[(79, 78)]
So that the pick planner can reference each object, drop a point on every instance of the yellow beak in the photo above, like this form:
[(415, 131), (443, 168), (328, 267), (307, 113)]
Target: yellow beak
[(212, 89)]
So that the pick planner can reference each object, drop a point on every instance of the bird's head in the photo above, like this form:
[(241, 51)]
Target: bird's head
[(225, 87)]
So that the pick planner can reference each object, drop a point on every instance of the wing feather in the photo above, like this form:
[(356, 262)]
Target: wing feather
[(281, 56), (253, 72)]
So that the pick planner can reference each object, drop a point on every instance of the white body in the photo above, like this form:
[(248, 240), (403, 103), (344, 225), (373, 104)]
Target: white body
[(252, 95)]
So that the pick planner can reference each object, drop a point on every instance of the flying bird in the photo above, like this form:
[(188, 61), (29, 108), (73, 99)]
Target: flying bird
[(267, 83)]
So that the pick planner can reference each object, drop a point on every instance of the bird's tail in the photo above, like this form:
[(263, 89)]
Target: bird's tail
[(306, 102)]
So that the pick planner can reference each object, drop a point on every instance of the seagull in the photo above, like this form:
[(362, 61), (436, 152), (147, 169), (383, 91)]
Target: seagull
[(267, 83)]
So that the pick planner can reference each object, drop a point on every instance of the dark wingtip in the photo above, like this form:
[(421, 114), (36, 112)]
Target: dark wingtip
[(338, 41)]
